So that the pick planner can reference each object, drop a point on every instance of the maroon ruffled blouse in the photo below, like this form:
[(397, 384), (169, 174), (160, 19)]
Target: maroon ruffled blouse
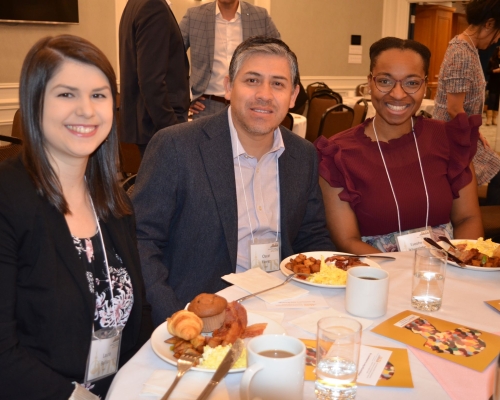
[(351, 160)]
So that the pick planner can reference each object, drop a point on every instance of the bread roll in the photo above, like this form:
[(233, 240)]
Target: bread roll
[(184, 324)]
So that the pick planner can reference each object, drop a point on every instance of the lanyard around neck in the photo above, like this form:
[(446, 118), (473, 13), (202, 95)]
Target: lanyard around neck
[(245, 194), (105, 261), (389, 177)]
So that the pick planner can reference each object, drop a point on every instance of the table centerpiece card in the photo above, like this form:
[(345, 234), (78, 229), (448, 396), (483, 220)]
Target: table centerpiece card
[(494, 303), (463, 345), (396, 372)]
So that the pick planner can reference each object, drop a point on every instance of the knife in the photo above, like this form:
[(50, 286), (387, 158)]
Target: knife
[(232, 355), (450, 256), (366, 256)]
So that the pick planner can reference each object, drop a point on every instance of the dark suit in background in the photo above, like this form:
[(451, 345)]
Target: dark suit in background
[(154, 71), (186, 210)]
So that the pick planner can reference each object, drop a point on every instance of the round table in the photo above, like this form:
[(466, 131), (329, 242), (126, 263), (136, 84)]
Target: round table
[(299, 124), (463, 303)]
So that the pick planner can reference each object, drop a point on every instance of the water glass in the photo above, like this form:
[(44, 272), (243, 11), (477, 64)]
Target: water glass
[(429, 271), (337, 355)]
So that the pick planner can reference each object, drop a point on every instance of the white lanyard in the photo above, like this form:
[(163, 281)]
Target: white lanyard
[(105, 261), (245, 195), (389, 178)]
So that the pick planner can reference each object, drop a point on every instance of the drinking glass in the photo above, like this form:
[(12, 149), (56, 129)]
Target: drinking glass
[(429, 271), (337, 355)]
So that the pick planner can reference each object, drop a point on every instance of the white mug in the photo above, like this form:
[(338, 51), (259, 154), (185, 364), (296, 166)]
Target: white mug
[(274, 378), (366, 292)]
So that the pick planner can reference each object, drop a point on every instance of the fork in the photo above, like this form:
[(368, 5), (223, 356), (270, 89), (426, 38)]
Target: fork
[(288, 279), (184, 364)]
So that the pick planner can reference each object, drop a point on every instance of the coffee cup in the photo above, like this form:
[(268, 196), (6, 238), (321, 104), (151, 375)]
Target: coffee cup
[(275, 368), (366, 292)]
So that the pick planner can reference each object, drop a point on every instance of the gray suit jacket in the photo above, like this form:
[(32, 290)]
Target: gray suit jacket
[(198, 32), (186, 210)]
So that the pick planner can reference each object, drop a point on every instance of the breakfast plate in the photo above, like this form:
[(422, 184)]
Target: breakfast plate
[(472, 267), (163, 351), (317, 254)]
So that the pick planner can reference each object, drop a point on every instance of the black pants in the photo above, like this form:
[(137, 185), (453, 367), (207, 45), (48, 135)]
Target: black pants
[(492, 102), (493, 193)]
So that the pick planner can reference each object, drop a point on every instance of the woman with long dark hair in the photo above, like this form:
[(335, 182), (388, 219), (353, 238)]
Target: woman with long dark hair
[(72, 306), (461, 84)]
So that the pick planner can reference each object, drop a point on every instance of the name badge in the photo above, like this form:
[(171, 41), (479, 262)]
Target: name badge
[(265, 254), (104, 354), (413, 241)]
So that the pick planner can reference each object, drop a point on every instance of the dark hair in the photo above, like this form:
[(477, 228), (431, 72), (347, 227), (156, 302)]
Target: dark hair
[(389, 43), (478, 12), (265, 45), (41, 63)]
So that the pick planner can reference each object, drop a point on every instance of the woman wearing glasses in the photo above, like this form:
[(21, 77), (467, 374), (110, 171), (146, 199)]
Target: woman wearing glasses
[(396, 178), (461, 84)]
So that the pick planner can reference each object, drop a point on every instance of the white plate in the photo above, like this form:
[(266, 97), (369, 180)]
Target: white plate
[(163, 351), (472, 267), (317, 255)]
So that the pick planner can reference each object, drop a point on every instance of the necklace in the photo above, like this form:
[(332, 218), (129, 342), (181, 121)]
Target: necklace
[(471, 41)]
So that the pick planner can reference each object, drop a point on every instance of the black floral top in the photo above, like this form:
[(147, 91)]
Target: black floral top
[(107, 307)]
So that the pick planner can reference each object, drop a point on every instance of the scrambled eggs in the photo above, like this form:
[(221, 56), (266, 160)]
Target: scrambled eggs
[(212, 357), (486, 247), (328, 275)]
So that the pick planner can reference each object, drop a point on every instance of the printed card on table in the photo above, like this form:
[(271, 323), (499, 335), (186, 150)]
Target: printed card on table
[(472, 348), (395, 374), (494, 303)]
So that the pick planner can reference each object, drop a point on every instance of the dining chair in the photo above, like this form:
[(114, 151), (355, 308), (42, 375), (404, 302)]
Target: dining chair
[(317, 107), (12, 149), (327, 93), (336, 119), (360, 111), (288, 121), (425, 114), (17, 130), (428, 92), (128, 184), (315, 86), (361, 89)]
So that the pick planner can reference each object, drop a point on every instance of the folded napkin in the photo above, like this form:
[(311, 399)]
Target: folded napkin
[(277, 317), (309, 322), (461, 383), (189, 387), (254, 280)]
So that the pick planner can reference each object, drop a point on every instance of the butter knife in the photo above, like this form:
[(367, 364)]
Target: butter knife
[(453, 258), (232, 355)]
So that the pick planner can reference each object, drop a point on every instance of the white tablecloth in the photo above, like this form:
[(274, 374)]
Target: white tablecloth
[(299, 124), (463, 303), (427, 105)]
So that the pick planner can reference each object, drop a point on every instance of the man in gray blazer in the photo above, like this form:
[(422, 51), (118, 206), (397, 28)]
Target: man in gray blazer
[(213, 31), (214, 194)]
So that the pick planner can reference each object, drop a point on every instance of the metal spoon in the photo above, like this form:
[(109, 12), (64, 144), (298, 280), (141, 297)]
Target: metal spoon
[(288, 279)]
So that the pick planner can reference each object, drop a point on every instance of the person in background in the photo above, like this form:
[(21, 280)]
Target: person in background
[(220, 194), (213, 31), (461, 85), (493, 88), (154, 71), (396, 178), (70, 272)]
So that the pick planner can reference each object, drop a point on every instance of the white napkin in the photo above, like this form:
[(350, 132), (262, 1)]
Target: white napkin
[(189, 387), (309, 322), (277, 317), (255, 280)]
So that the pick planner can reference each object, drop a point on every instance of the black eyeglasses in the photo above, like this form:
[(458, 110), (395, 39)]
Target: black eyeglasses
[(410, 85)]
